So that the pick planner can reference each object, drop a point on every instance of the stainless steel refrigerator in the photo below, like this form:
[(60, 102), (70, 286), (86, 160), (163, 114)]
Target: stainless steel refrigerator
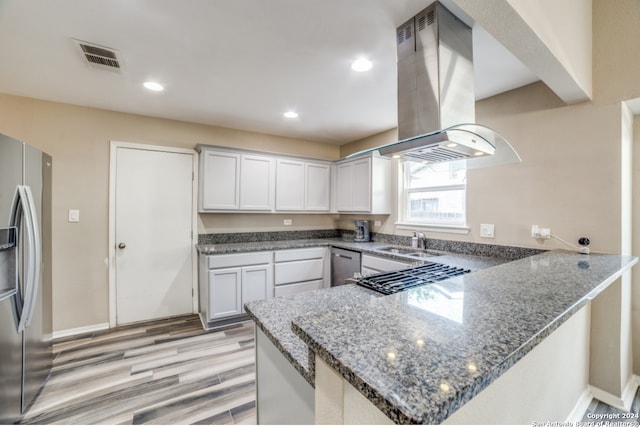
[(25, 276)]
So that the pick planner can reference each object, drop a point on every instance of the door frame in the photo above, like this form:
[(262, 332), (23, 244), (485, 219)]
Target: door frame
[(114, 146)]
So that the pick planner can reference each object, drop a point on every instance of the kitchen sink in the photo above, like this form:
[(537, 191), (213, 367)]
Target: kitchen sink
[(397, 250), (409, 252), (424, 254)]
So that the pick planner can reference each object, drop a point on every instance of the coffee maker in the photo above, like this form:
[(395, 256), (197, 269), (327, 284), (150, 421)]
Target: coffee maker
[(362, 231)]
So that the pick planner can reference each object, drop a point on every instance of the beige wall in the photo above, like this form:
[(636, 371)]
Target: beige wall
[(569, 179), (565, 28), (78, 139), (616, 63), (237, 223)]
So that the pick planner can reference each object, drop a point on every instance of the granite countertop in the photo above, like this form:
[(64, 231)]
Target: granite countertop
[(274, 317), (421, 354), (459, 259)]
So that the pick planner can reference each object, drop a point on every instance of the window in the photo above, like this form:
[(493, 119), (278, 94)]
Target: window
[(434, 194)]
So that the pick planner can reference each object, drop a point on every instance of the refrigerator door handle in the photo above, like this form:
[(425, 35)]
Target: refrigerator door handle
[(37, 256), (23, 206)]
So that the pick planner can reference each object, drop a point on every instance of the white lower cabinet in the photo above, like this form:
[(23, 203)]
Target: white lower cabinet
[(299, 270), (228, 281), (233, 280), (225, 293)]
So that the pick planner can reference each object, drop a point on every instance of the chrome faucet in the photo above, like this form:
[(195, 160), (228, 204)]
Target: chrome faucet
[(422, 241)]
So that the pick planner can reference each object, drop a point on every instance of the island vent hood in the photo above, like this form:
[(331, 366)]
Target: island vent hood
[(436, 96)]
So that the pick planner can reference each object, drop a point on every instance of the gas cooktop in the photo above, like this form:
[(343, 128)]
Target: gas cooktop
[(400, 280)]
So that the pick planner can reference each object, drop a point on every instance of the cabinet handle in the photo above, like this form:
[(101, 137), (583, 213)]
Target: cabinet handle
[(122, 245)]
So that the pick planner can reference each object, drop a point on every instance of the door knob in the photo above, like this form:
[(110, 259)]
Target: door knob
[(122, 245)]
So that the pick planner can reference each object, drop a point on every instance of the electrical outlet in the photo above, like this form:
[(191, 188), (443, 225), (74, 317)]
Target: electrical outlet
[(535, 231), (540, 232), (74, 216), (487, 230), (288, 222), (377, 223)]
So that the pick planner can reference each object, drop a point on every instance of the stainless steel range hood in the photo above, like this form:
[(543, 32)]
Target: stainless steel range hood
[(436, 96)]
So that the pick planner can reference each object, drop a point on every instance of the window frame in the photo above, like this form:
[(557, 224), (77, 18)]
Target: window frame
[(404, 222)]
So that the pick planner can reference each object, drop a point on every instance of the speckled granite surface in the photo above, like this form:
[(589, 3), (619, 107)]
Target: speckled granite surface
[(221, 242), (421, 354), (467, 261), (231, 238), (274, 317)]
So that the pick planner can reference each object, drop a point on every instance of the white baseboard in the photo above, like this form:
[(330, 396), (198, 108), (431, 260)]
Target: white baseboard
[(581, 406), (80, 330), (624, 402)]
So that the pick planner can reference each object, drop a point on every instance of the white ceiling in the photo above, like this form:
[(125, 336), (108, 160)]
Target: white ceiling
[(231, 63)]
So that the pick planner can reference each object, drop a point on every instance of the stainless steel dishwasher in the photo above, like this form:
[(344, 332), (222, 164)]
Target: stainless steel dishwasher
[(344, 263)]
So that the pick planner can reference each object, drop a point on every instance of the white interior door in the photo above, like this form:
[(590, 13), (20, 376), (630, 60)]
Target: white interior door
[(153, 234)]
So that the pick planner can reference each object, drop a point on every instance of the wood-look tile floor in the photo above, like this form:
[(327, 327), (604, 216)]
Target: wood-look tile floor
[(160, 372)]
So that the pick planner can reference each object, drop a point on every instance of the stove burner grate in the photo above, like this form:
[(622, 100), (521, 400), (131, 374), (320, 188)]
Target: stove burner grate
[(400, 280)]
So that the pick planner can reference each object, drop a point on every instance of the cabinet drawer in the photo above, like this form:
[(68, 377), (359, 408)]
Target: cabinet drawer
[(300, 254), (381, 264), (291, 289), (238, 259), (298, 271)]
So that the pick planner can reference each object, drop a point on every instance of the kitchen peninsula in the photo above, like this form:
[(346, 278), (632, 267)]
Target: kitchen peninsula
[(400, 359)]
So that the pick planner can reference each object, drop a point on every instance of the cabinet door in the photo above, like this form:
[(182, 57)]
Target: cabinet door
[(256, 182), (344, 187), (220, 180), (225, 292), (257, 283), (318, 183), (361, 185), (290, 185)]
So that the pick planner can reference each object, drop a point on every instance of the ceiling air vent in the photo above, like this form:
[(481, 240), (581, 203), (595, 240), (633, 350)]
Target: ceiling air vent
[(100, 57)]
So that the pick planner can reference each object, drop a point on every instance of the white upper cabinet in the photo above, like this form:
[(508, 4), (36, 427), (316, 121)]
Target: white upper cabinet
[(290, 185), (363, 185), (303, 186), (220, 180), (257, 175), (318, 186), (236, 182)]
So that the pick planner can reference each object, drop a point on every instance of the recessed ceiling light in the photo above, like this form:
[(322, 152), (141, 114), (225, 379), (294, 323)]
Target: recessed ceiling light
[(153, 86), (290, 114), (478, 154), (452, 145), (396, 156), (361, 65)]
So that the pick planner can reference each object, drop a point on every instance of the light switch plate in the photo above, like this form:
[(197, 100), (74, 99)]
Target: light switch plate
[(487, 230), (74, 216), (288, 222)]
